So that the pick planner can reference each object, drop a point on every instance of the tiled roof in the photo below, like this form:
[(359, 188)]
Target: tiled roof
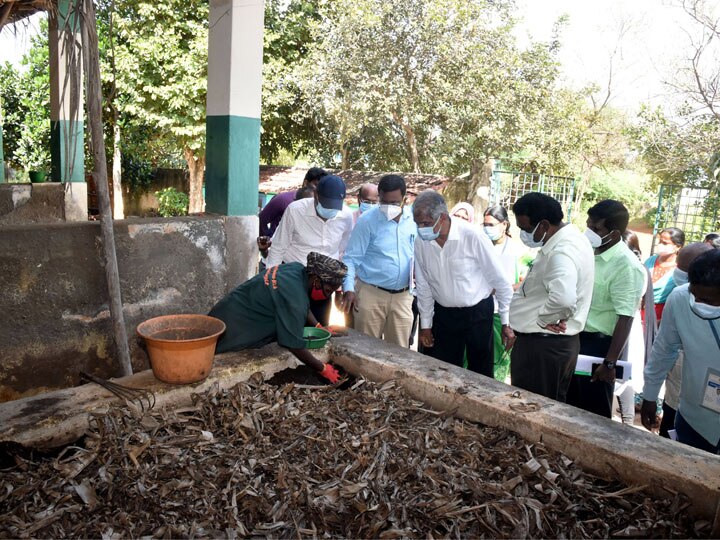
[(274, 179)]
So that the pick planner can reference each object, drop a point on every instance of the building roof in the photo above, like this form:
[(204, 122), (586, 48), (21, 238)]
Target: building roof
[(12, 11), (274, 179)]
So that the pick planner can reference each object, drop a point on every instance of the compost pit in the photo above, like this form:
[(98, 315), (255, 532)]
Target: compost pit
[(295, 460)]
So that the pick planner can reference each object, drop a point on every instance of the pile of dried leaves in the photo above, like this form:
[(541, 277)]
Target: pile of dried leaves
[(292, 461)]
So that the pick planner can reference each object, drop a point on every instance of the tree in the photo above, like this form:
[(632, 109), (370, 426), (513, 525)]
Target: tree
[(161, 62), (25, 97)]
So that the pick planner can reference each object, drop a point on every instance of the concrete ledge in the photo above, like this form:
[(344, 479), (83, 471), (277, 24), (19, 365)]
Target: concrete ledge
[(599, 445), (58, 418)]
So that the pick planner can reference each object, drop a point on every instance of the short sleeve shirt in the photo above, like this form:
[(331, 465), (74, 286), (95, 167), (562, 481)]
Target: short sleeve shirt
[(271, 306), (617, 290)]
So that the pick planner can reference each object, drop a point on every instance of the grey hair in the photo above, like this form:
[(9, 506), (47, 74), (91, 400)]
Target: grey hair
[(432, 202)]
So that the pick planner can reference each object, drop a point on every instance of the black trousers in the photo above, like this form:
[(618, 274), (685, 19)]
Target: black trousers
[(456, 330), (595, 397), (544, 363), (668, 420)]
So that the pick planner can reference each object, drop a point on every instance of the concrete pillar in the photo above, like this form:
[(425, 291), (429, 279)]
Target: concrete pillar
[(67, 126), (66, 93), (233, 107)]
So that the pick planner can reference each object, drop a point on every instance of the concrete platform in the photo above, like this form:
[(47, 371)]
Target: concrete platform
[(599, 445)]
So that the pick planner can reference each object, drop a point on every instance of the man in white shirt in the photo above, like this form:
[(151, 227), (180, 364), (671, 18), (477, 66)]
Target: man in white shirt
[(456, 271), (550, 308), (320, 224)]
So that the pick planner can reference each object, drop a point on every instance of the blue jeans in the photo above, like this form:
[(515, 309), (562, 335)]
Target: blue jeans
[(687, 435)]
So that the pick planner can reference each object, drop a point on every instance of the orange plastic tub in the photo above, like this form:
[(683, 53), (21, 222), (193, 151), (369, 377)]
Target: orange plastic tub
[(181, 347)]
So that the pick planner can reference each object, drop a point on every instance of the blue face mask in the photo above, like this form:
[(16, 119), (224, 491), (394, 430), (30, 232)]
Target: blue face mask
[(326, 213), (428, 233), (365, 206)]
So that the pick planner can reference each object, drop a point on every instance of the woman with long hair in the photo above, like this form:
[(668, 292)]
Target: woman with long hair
[(662, 264)]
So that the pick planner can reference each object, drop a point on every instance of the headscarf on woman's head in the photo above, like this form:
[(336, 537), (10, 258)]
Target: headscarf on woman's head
[(329, 270), (467, 207)]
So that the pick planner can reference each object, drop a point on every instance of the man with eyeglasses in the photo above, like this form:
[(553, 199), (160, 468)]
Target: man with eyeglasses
[(367, 200), (457, 272), (549, 310), (379, 257)]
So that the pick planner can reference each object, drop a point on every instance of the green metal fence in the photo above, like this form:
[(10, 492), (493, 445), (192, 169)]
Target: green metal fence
[(693, 210), (507, 187)]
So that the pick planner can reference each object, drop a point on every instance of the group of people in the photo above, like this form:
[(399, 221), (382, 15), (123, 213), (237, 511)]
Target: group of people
[(483, 301)]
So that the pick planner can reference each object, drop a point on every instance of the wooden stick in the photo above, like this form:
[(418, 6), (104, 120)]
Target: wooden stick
[(91, 60)]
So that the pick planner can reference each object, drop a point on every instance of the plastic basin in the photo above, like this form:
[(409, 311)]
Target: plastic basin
[(181, 347), (315, 338)]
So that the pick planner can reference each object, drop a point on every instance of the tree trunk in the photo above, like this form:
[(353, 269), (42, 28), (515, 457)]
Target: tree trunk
[(473, 187), (410, 143), (344, 160), (118, 208), (196, 168), (91, 58)]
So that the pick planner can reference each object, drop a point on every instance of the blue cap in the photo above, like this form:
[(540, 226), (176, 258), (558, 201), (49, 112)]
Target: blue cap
[(331, 192)]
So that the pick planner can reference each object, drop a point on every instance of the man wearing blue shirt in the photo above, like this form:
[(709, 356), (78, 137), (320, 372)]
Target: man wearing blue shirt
[(691, 321), (380, 255)]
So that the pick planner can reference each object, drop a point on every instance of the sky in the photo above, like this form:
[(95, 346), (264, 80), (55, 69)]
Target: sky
[(642, 37)]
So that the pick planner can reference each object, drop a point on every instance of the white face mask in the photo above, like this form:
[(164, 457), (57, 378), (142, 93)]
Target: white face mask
[(704, 311), (680, 277), (529, 238), (595, 239), (665, 249), (493, 232), (390, 211)]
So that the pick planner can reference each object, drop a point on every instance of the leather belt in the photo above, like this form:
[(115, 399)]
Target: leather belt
[(391, 291)]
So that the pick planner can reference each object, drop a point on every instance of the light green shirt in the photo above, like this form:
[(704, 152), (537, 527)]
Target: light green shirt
[(618, 288)]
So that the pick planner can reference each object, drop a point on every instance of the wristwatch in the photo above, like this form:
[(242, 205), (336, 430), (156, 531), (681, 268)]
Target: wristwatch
[(609, 365)]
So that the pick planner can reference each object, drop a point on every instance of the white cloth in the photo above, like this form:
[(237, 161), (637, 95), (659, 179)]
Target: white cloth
[(558, 287), (301, 231), (460, 274)]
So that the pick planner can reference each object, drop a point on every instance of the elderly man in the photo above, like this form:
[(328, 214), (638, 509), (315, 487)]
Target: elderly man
[(367, 200), (617, 290), (380, 255), (550, 308), (691, 322), (320, 224), (456, 272), (274, 307)]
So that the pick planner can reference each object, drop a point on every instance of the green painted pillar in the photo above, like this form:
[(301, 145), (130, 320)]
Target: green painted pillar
[(233, 107), (66, 94)]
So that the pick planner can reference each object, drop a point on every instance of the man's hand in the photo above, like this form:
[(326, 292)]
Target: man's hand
[(349, 302), (508, 337), (330, 373), (264, 243), (558, 328), (648, 415), (426, 338), (604, 374)]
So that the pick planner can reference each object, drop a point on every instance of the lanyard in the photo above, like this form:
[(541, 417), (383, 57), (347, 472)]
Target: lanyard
[(715, 333)]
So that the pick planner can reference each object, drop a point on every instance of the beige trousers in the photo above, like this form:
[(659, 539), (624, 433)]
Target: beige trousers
[(381, 314)]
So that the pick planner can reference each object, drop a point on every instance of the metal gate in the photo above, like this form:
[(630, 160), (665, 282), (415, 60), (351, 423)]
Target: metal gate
[(506, 187), (693, 210)]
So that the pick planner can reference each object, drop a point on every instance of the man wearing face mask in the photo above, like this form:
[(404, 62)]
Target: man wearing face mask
[(319, 224), (617, 290), (273, 306), (671, 400), (380, 255), (456, 272), (691, 322), (550, 308), (367, 200)]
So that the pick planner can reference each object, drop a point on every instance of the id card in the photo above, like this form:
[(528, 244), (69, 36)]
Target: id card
[(711, 395)]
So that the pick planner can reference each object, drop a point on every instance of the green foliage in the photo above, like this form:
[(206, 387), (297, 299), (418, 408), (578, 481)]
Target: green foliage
[(25, 100), (172, 202), (137, 174)]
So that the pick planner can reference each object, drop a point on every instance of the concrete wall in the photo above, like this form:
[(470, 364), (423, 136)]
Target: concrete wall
[(53, 294)]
